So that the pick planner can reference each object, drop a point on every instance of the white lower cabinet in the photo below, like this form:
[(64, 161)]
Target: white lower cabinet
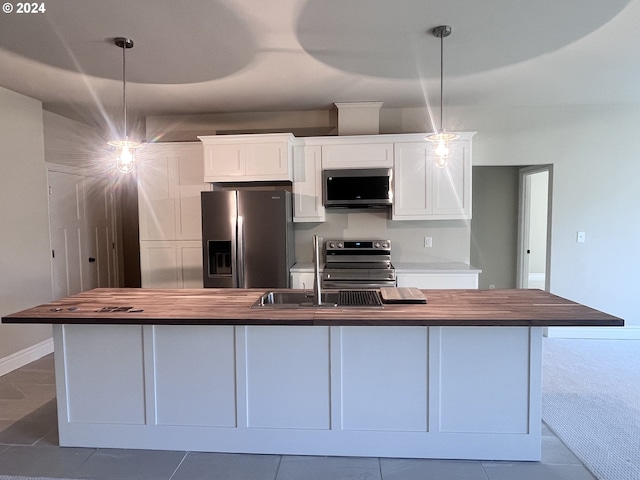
[(437, 281), (302, 280), (171, 264)]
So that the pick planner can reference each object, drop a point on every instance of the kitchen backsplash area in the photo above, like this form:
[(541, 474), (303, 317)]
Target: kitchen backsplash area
[(450, 239)]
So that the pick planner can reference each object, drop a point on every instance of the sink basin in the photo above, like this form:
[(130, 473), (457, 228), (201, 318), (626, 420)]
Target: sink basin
[(335, 298), (295, 299)]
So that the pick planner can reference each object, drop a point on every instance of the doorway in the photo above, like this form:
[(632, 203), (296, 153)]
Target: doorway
[(534, 229)]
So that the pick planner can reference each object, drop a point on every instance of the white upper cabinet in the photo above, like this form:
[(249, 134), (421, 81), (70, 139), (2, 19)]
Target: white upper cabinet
[(169, 186), (357, 155), (248, 158), (307, 184), (423, 191)]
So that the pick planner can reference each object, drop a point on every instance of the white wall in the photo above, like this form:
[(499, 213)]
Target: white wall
[(595, 152), (25, 265)]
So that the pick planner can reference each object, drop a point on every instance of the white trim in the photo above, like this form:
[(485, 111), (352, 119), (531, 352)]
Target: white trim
[(25, 356), (609, 333)]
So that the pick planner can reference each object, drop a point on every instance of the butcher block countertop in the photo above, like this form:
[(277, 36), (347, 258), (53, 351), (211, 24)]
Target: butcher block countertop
[(228, 306)]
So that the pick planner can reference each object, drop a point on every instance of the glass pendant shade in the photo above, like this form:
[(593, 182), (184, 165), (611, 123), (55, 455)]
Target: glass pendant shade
[(125, 154), (441, 151)]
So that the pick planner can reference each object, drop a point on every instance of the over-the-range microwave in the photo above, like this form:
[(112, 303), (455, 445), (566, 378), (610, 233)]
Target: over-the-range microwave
[(357, 187)]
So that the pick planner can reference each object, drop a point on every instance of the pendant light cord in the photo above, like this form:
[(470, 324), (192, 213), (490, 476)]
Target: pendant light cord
[(124, 89), (441, 81)]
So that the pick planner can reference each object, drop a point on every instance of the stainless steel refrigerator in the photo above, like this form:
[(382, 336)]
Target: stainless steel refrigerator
[(247, 238)]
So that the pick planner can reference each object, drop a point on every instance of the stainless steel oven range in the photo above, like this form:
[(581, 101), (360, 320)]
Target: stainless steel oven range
[(358, 264)]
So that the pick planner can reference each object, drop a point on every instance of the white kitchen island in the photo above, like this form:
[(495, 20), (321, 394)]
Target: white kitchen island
[(386, 382)]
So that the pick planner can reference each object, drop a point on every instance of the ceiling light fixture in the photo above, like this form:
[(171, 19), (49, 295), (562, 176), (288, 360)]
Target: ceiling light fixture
[(125, 149), (441, 137)]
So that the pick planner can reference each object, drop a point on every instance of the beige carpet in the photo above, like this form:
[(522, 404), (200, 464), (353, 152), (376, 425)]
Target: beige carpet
[(591, 401), (5, 477)]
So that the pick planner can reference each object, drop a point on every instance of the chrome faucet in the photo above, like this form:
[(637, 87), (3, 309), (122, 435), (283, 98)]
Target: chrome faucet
[(317, 289)]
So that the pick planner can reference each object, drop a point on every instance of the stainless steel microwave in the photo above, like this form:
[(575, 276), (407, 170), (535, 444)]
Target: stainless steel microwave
[(357, 187)]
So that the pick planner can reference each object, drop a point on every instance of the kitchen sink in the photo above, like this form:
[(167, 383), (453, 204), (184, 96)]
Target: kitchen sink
[(302, 299), (295, 299)]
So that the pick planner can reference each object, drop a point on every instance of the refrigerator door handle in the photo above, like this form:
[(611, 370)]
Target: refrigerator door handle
[(241, 262)]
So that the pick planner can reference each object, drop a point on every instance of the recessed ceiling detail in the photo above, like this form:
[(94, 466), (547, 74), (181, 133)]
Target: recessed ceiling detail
[(392, 39), (216, 44)]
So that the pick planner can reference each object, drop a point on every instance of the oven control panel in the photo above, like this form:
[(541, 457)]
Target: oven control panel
[(358, 245)]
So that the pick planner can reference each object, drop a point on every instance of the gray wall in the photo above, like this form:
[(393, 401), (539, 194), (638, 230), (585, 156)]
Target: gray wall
[(25, 264), (494, 227)]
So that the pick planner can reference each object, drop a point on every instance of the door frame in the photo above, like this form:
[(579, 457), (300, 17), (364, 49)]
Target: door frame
[(524, 223)]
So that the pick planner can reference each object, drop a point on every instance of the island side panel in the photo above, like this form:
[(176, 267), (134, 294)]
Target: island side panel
[(384, 375), (486, 388), (194, 375), (287, 373), (302, 390)]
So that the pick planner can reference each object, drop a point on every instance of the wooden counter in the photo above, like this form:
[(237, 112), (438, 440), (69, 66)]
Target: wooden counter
[(232, 307)]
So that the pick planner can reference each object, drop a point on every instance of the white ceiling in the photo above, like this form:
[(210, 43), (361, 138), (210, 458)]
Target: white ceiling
[(209, 56)]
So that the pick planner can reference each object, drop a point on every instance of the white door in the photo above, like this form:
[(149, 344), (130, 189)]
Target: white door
[(66, 220), (534, 230)]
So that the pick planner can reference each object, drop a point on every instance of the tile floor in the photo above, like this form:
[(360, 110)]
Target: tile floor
[(29, 447)]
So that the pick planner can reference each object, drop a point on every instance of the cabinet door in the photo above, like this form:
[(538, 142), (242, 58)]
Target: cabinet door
[(423, 191), (223, 161), (307, 184), (156, 194), (360, 155), (189, 264), (189, 185), (266, 160), (411, 180), (452, 184), (302, 280), (169, 186), (158, 264), (247, 158)]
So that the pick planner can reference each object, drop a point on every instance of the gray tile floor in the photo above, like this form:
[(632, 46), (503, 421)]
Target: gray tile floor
[(29, 447)]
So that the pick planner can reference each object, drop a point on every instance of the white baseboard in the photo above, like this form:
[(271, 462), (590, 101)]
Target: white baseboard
[(610, 333), (25, 356)]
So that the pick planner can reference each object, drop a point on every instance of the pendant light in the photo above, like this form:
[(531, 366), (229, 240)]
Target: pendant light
[(125, 149), (441, 137)]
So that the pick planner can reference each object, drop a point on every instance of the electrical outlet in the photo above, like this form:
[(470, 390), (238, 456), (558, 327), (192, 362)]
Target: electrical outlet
[(581, 237), (428, 242), (492, 287)]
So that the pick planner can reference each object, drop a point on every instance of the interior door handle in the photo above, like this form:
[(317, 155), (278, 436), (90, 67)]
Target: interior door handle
[(91, 259)]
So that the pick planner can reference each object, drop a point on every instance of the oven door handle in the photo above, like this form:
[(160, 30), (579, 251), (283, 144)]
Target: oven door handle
[(357, 285)]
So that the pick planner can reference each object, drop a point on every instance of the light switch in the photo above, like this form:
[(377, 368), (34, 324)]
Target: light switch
[(581, 237), (428, 242)]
